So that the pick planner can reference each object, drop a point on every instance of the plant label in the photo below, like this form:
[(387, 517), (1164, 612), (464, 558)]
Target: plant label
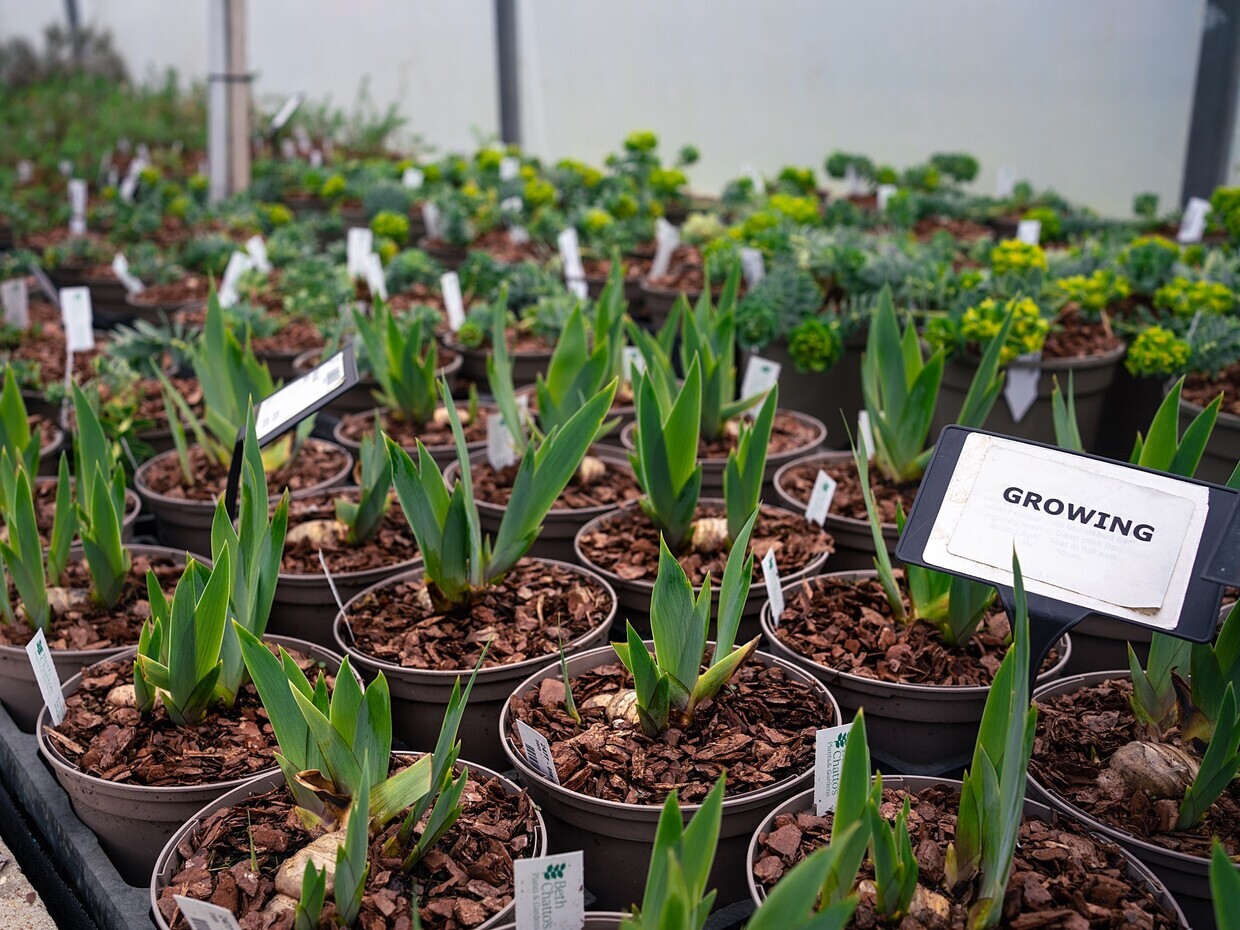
[(865, 432), (25, 171), (759, 184), (143, 151), (238, 264), (1005, 182), (634, 363), (66, 167), (78, 318), (129, 185), (288, 149), (885, 193), (316, 158), (120, 268), (829, 745), (509, 167), (375, 279), (412, 178), (820, 498), (432, 218), (549, 892), (45, 284), (286, 111), (761, 374), (501, 447), (1020, 387), (578, 288), (450, 285), (1029, 232), (537, 751), (1193, 223), (518, 235), (666, 238), (302, 138), (45, 674), (359, 243), (16, 299), (852, 181), (256, 248), (203, 915), (774, 588), (511, 205), (293, 402), (753, 266), (570, 255), (77, 207)]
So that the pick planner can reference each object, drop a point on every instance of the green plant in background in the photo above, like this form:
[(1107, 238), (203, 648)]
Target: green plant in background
[(1092, 293), (786, 297), (1148, 262), (1182, 297), (959, 166), (1026, 327), (403, 360), (1052, 224), (1013, 257), (100, 493), (1163, 448), (669, 686), (1156, 352), (1214, 344), (410, 267), (388, 225), (19, 444), (838, 163), (23, 552), (1225, 210), (815, 344), (363, 517)]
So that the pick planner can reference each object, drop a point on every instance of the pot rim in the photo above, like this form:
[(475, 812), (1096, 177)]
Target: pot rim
[(820, 434), (445, 676), (889, 529), (352, 444), (1187, 406), (1075, 362), (1047, 677), (528, 773)]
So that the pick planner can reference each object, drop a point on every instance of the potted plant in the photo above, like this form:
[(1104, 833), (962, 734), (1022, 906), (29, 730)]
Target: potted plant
[(1149, 758), (969, 854), (180, 486), (32, 440), (1213, 365), (530, 332), (153, 733), (621, 733), (423, 627)]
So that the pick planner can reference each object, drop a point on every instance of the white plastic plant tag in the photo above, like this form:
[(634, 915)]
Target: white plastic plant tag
[(316, 158), (78, 319), (302, 138), (16, 298), (578, 288), (120, 268), (549, 892), (829, 746), (820, 498), (634, 363), (518, 235), (289, 403), (759, 184), (66, 167), (666, 238), (129, 184), (432, 218), (537, 751), (77, 204), (761, 374), (450, 285), (753, 266), (256, 248), (286, 111), (570, 254), (375, 278), (123, 146), (25, 171), (359, 244), (412, 178), (866, 432), (885, 193), (288, 149), (1193, 224), (774, 588), (1029, 231), (203, 915), (509, 167), (45, 674), (511, 205), (1020, 387), (852, 181), (1005, 182), (143, 151), (238, 264), (501, 448)]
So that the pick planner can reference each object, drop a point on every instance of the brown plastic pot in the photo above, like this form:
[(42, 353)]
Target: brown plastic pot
[(634, 594), (1223, 448), (420, 695), (617, 837), (834, 396), (1187, 877), (1137, 873), (1091, 378), (19, 690), (133, 506), (712, 469), (186, 524), (559, 529), (359, 398), (133, 822), (915, 729), (854, 543), (169, 860)]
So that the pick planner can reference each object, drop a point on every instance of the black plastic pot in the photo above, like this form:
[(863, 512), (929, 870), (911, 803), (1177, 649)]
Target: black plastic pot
[(420, 695), (1137, 872), (1223, 449), (134, 822), (158, 312), (450, 256), (443, 455), (526, 366), (916, 729), (833, 397), (1128, 408), (616, 837), (1186, 877)]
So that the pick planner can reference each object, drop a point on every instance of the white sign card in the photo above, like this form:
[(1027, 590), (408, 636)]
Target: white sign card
[(120, 268), (16, 299), (761, 374), (570, 254), (1193, 223), (25, 171), (78, 318), (509, 167), (537, 751), (203, 915), (666, 239), (501, 448), (316, 158), (829, 745), (820, 498), (358, 245), (1005, 182), (852, 181), (885, 193), (432, 218), (753, 266), (1092, 533), (288, 404), (238, 264), (1029, 231), (412, 178), (634, 363), (376, 281), (1020, 386), (77, 204), (130, 184), (549, 892), (256, 248), (302, 138), (45, 674), (286, 111), (774, 587), (454, 305), (759, 184)]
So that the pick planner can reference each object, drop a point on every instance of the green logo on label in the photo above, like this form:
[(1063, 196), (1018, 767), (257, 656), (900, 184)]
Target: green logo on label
[(841, 741), (554, 871)]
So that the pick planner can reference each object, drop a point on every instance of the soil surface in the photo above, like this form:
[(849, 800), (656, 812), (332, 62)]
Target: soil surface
[(1062, 878), (1200, 389), (849, 501), (499, 245), (357, 426), (1076, 737), (294, 337), (788, 433), (44, 348), (175, 294), (534, 608), (87, 626), (959, 228), (848, 626), (391, 544), (760, 729), (627, 544), (120, 745), (1076, 338), (464, 880), (316, 462), (615, 485), (519, 342)]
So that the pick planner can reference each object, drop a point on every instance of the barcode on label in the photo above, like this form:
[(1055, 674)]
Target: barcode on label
[(289, 404)]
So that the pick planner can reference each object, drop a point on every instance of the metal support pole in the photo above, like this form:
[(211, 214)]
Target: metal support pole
[(228, 105), (506, 70), (1207, 163), (239, 98)]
